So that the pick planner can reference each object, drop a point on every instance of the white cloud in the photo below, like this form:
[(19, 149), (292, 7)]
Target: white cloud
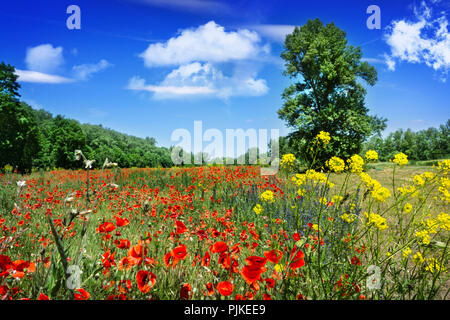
[(426, 40), (373, 60), (84, 71), (44, 58), (276, 32), (198, 79), (207, 43), (39, 77)]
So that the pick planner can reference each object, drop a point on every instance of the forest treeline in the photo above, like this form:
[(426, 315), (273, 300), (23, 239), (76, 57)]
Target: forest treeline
[(429, 144)]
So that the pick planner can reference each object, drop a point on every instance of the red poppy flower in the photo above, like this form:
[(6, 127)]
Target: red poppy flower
[(106, 227), (225, 288), (206, 259), (145, 280), (210, 288), (181, 228), (122, 243), (185, 292), (219, 247), (43, 297), (256, 261), (108, 259), (81, 295), (170, 260), (121, 222), (273, 256), (297, 259), (252, 273), (136, 253), (124, 264), (5, 263), (179, 252)]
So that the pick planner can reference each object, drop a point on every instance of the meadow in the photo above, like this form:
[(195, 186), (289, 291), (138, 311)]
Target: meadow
[(353, 231)]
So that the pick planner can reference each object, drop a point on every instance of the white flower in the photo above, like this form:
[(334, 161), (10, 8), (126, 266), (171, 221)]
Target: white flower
[(78, 154), (21, 184), (89, 163)]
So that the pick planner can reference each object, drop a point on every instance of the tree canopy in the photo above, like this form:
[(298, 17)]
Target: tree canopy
[(327, 93)]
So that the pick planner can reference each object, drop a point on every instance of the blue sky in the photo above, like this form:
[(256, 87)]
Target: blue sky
[(148, 67)]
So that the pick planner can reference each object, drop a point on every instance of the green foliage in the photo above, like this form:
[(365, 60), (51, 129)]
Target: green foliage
[(326, 94), (34, 138), (429, 144), (20, 136)]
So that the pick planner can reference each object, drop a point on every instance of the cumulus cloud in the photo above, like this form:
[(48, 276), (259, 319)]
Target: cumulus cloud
[(275, 32), (197, 55), (425, 40), (196, 79), (44, 58), (207, 43), (39, 77), (84, 71)]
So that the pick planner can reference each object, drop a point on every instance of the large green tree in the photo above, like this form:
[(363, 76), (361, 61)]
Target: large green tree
[(19, 133), (65, 137), (327, 93)]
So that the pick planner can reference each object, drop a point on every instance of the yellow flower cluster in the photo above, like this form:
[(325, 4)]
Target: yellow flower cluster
[(371, 155), (444, 221), (432, 226), (376, 220), (370, 183), (407, 252), (421, 179), (381, 194), (349, 218), (323, 201), (312, 175), (336, 164), (323, 137), (433, 265), (408, 190), (400, 159), (355, 164), (407, 207), (418, 258), (444, 166), (301, 192), (287, 161), (258, 209), (337, 199), (299, 179), (444, 189), (267, 196)]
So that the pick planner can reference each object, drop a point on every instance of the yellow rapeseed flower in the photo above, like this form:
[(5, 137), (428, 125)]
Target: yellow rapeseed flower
[(336, 164), (407, 207), (267, 196), (355, 164), (258, 209), (406, 252), (381, 194), (371, 155), (400, 159), (287, 161), (418, 258), (376, 220), (323, 137)]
